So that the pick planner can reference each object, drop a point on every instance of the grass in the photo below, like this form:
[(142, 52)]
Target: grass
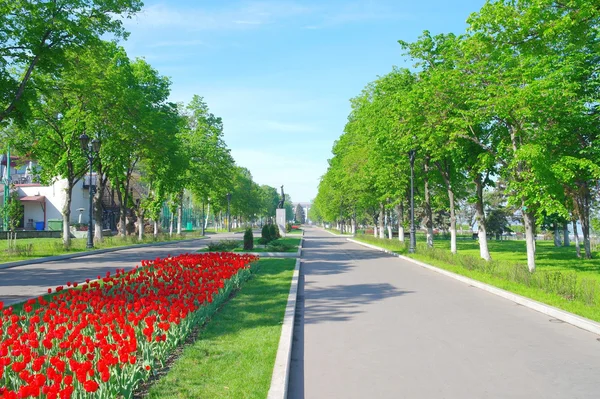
[(334, 231), (295, 231), (561, 279), (235, 353), (291, 243), (32, 248)]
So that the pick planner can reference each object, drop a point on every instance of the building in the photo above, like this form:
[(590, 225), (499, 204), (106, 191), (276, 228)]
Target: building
[(43, 203)]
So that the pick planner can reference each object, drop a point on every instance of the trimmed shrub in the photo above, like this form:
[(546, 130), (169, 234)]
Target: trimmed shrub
[(273, 232), (248, 239), (265, 234), (224, 245), (288, 227)]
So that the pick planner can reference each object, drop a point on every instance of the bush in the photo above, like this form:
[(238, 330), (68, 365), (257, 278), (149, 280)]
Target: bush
[(274, 232), (276, 246), (225, 245), (289, 227), (248, 239), (265, 234)]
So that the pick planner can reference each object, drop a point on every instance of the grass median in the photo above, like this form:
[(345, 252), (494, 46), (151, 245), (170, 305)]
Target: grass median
[(34, 248), (561, 279), (234, 354)]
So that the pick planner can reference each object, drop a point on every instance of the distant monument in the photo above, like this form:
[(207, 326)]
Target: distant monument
[(281, 203), (280, 216)]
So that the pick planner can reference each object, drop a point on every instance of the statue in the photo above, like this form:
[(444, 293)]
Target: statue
[(282, 200)]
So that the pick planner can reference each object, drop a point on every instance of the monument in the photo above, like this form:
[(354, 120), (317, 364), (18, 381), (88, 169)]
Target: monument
[(280, 214)]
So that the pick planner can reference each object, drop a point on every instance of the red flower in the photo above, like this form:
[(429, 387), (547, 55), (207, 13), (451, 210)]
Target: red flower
[(90, 386)]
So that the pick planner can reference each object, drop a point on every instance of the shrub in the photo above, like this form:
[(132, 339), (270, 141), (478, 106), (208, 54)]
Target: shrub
[(276, 246), (224, 245), (248, 239), (274, 232), (263, 241), (266, 233), (288, 227)]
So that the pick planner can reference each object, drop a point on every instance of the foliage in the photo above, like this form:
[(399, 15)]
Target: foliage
[(13, 211), (223, 245), (299, 216), (274, 232), (248, 239)]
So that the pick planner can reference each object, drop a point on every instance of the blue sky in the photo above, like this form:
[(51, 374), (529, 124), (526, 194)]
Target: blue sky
[(281, 73)]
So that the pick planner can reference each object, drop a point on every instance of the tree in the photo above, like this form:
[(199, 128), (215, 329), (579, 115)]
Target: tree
[(39, 35), (299, 216)]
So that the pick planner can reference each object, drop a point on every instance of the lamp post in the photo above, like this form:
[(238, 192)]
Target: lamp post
[(228, 212), (90, 150), (413, 236)]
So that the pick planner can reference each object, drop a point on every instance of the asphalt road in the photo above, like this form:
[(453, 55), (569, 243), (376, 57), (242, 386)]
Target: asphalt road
[(20, 283), (370, 325)]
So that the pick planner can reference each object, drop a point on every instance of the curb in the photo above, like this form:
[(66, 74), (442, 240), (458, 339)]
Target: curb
[(573, 319), (336, 235), (281, 370), (270, 254), (86, 253)]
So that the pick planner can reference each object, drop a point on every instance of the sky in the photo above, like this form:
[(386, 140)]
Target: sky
[(281, 73)]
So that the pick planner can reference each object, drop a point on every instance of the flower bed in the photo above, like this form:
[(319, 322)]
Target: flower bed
[(104, 337)]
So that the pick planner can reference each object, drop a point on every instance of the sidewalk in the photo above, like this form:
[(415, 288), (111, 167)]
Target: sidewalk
[(370, 325)]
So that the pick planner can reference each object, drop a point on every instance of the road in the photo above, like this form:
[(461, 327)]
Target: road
[(370, 325), (23, 282)]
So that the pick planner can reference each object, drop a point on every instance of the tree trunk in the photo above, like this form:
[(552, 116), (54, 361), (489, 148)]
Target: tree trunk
[(141, 226), (381, 221), (179, 213), (171, 219), (354, 226), (585, 228), (529, 222), (567, 241), (428, 213), (98, 214), (375, 218), (557, 242), (66, 212), (400, 210), (452, 221), (155, 228), (207, 215), (122, 212), (480, 219), (576, 236), (389, 223)]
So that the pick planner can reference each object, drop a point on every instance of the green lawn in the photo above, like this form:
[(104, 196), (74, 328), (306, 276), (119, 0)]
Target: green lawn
[(235, 353), (291, 242), (295, 231), (32, 248), (561, 279)]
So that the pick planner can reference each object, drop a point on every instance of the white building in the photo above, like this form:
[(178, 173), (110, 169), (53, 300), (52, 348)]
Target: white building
[(43, 203)]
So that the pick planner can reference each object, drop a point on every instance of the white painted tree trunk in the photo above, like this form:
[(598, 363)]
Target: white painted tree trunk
[(529, 222), (428, 212), (400, 222), (381, 221), (567, 241), (141, 227), (484, 252), (375, 231), (390, 231), (576, 237), (156, 228), (452, 222), (171, 225), (66, 213), (353, 227), (179, 215), (557, 242), (207, 214)]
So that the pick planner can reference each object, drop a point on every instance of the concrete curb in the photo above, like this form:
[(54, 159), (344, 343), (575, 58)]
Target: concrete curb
[(573, 319), (281, 370), (86, 253), (335, 235), (269, 254)]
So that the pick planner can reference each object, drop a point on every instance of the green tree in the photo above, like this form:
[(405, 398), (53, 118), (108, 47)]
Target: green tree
[(299, 216), (38, 35)]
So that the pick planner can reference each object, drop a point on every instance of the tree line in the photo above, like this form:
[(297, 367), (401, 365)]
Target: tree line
[(512, 101), (63, 74)]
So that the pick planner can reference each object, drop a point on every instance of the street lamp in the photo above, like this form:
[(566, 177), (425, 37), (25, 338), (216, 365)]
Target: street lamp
[(413, 236), (90, 150), (228, 212)]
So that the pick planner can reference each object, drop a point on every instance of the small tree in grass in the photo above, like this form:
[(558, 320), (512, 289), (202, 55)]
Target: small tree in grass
[(248, 239), (13, 212), (274, 232), (265, 234)]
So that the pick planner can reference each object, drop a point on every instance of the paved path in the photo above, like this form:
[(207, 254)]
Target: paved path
[(23, 282), (372, 326)]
